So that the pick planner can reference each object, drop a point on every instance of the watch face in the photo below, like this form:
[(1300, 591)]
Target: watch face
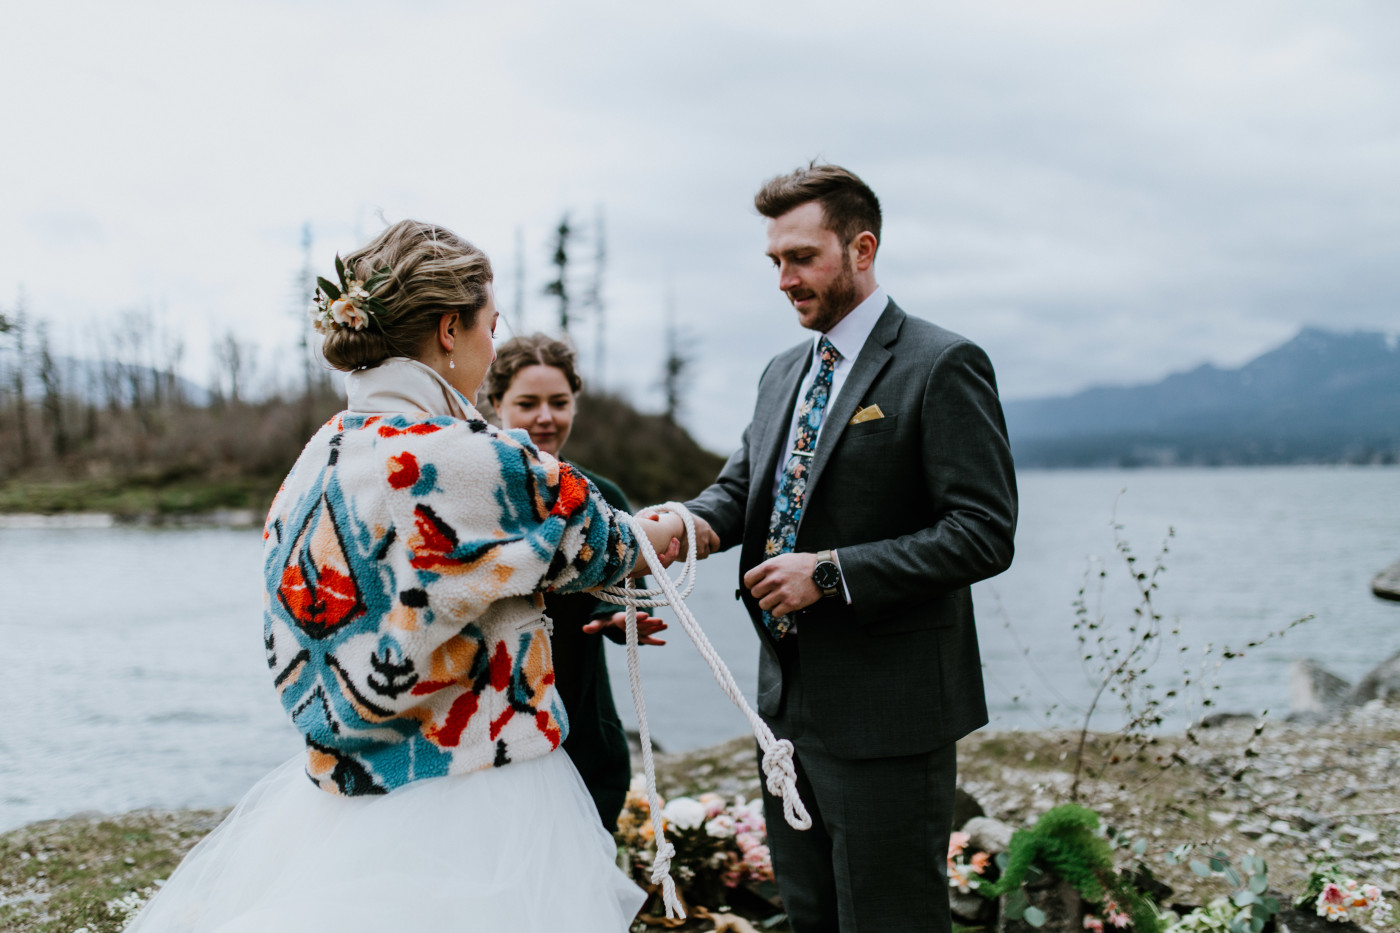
[(826, 576)]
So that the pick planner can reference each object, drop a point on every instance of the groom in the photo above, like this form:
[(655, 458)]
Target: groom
[(873, 486)]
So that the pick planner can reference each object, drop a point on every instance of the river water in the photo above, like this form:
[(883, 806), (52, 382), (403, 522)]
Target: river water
[(133, 672)]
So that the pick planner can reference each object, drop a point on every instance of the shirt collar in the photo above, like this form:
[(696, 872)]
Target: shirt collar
[(850, 333)]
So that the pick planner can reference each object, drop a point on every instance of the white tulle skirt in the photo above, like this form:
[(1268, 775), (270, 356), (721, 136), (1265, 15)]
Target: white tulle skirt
[(517, 848)]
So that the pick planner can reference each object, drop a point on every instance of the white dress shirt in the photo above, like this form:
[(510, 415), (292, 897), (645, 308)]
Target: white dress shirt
[(848, 336)]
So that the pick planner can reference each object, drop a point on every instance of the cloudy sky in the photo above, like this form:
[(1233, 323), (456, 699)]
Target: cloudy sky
[(1094, 191)]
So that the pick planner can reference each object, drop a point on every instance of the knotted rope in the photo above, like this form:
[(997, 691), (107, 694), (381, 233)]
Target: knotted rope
[(778, 769)]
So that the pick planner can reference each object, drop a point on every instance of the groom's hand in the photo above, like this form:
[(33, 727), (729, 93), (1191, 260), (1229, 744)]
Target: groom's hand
[(706, 541), (783, 584)]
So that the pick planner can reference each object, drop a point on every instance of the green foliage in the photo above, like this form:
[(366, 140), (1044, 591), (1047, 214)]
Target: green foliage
[(1066, 842), (1248, 907)]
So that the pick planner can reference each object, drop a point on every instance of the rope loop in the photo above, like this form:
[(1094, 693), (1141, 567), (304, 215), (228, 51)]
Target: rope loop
[(778, 767), (781, 773)]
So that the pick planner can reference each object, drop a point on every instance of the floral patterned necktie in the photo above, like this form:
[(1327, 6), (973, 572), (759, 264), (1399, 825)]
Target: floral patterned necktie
[(792, 490)]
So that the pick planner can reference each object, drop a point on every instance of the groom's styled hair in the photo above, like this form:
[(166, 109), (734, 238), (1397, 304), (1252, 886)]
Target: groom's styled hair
[(848, 204)]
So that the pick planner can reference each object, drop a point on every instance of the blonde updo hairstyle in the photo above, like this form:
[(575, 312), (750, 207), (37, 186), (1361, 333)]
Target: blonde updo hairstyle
[(432, 272), (518, 353)]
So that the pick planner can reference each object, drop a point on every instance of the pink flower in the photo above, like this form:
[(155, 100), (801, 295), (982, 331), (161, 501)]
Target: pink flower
[(758, 864), (721, 827), (1093, 923), (1331, 894), (980, 860), (713, 803), (956, 843), (348, 314)]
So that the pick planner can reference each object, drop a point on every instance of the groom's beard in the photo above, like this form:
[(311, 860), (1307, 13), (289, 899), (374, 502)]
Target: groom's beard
[(835, 301)]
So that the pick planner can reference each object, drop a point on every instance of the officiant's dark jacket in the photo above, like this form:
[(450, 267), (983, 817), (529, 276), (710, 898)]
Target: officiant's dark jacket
[(919, 505)]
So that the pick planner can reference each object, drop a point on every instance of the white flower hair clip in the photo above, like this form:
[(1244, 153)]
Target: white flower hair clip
[(352, 304)]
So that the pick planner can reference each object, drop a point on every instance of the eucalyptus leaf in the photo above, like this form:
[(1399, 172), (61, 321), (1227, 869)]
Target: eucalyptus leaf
[(1256, 924), (1218, 862), (1035, 916), (1270, 904), (1200, 868), (1258, 883), (1234, 877), (340, 268), (331, 291), (1243, 898), (1140, 847), (1002, 859)]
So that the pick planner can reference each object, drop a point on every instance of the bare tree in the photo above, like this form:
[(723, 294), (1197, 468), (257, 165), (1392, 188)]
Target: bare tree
[(232, 360), (52, 406), (593, 301), (16, 326), (519, 322), (675, 374)]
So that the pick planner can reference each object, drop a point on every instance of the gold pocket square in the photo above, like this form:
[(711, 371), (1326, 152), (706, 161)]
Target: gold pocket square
[(867, 414)]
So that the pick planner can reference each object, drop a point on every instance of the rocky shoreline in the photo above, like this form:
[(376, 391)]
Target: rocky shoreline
[(1386, 584), (1291, 792)]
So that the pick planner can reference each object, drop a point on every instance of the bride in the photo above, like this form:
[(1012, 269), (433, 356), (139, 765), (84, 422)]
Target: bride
[(406, 557)]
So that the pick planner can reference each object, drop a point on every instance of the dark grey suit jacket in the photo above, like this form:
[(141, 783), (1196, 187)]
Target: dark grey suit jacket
[(920, 504)]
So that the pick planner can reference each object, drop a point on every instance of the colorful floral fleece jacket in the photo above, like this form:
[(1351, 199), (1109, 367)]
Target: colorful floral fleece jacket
[(404, 558)]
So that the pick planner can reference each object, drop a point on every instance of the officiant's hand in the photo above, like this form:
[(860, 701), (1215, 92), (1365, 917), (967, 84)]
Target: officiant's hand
[(783, 584), (615, 628)]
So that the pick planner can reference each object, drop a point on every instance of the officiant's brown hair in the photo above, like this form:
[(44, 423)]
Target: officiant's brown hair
[(432, 272), (532, 350), (848, 204)]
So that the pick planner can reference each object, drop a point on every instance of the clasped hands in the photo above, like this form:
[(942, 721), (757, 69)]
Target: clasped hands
[(781, 584)]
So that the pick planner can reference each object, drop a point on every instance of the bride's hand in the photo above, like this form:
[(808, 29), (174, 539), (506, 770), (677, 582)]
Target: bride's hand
[(708, 542), (664, 531)]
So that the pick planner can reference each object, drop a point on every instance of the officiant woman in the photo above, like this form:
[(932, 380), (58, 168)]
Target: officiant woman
[(534, 385)]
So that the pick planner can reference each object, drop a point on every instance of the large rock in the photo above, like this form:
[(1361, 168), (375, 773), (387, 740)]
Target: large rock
[(970, 909), (1383, 683), (987, 835), (1061, 904), (1386, 585), (965, 807), (1314, 689), (1292, 920)]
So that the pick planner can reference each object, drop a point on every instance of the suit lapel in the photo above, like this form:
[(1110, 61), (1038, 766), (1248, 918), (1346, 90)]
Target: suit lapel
[(872, 359), (769, 444)]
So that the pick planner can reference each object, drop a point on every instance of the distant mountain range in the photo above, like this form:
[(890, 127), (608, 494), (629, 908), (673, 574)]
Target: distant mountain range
[(1322, 397)]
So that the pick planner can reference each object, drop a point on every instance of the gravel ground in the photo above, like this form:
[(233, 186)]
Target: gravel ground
[(1293, 794)]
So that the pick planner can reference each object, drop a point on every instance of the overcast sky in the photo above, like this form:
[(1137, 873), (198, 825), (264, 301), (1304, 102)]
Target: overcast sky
[(1096, 192)]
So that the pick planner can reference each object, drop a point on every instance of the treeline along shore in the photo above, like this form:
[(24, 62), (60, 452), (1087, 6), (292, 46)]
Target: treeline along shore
[(126, 435)]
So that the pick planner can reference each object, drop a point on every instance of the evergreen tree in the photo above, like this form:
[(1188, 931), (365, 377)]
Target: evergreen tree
[(559, 287)]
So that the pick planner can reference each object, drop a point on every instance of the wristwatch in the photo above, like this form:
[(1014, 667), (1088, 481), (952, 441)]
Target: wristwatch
[(827, 575)]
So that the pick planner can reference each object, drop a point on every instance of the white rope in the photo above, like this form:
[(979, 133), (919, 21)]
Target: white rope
[(778, 769)]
